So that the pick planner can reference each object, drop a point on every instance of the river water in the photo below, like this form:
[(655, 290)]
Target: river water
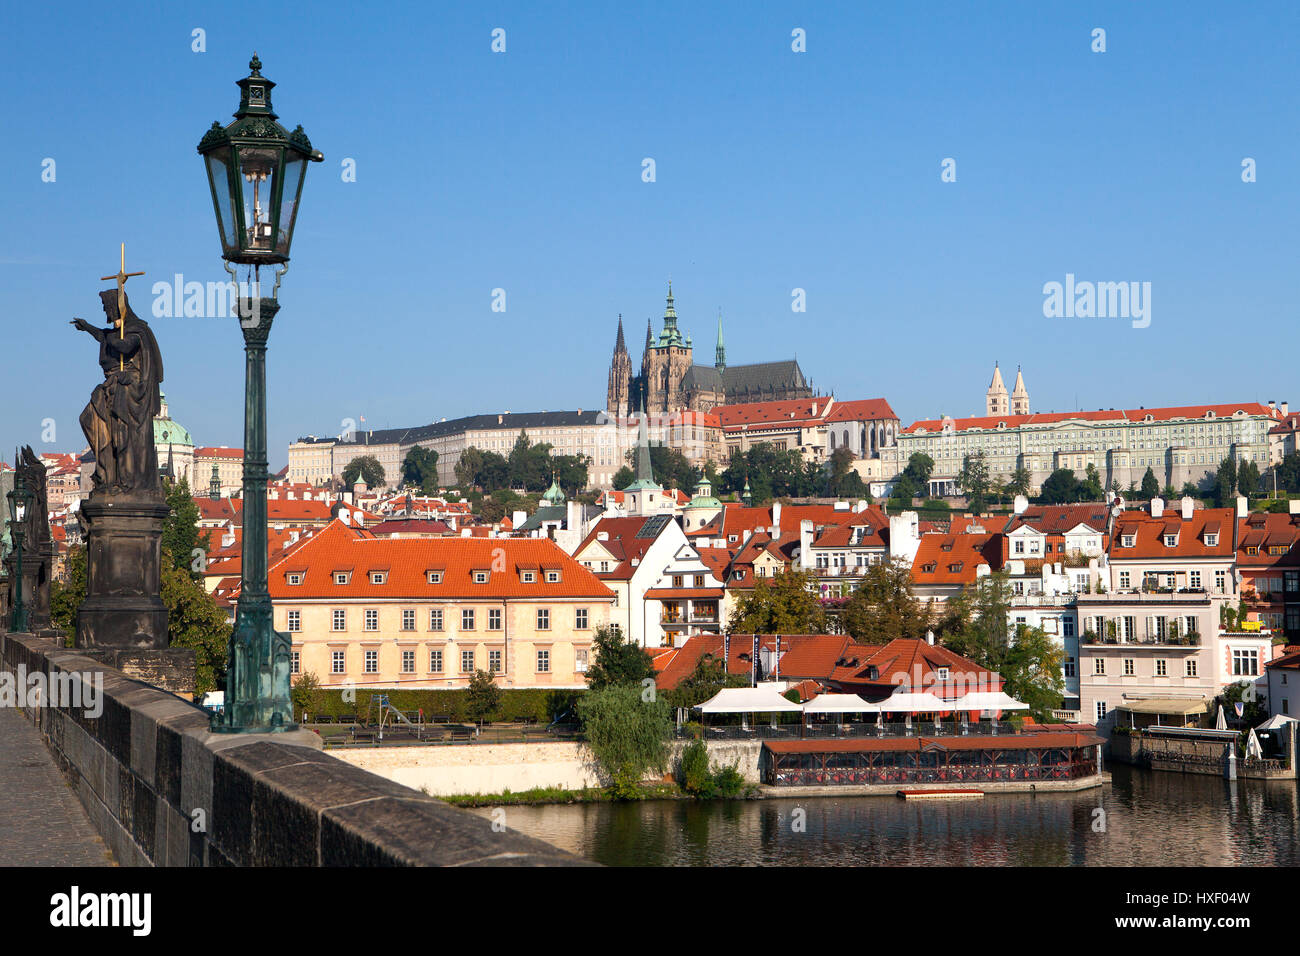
[(1148, 818)]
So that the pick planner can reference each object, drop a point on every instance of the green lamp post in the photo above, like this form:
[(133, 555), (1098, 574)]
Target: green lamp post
[(256, 171), (19, 500)]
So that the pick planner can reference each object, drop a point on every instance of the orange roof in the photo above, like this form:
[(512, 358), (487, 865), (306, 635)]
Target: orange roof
[(954, 558), (682, 594), (737, 518), (408, 560), (781, 413), (861, 410), (915, 663), (1262, 531), (1058, 519), (234, 453), (621, 542), (1148, 534), (802, 655), (889, 744), (1117, 415)]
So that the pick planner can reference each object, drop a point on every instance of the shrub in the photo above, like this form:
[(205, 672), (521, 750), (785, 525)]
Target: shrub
[(694, 775)]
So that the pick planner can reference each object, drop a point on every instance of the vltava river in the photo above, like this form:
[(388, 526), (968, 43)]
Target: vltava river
[(1150, 818)]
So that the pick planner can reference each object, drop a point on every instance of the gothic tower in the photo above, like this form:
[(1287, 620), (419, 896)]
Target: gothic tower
[(1019, 396), (995, 399), (720, 353), (618, 400), (666, 363)]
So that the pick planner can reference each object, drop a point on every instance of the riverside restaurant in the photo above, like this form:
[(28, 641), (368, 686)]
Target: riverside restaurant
[(1034, 756)]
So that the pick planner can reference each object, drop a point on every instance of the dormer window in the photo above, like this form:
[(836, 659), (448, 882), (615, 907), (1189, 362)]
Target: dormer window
[(941, 673), (1126, 541), (480, 577), (294, 578), (929, 568), (434, 577), (528, 577), (378, 577), (1211, 539), (552, 577), (1171, 541), (342, 577)]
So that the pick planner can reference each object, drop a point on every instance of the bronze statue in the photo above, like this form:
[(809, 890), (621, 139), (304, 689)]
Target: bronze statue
[(118, 421)]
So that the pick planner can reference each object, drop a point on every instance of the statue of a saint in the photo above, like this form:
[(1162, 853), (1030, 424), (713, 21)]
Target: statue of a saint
[(118, 422)]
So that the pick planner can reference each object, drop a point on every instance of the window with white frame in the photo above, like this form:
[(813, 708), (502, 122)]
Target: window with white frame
[(295, 663), (494, 619), (494, 662), (1124, 580), (1129, 667), (1194, 579), (543, 661), (372, 662), (1101, 710), (1189, 667), (1099, 666), (435, 662), (408, 618), (580, 619), (372, 619), (294, 621), (339, 619), (340, 577), (435, 619), (336, 662), (1245, 662), (467, 619), (467, 662), (408, 662), (1162, 667), (543, 619), (378, 577), (580, 660)]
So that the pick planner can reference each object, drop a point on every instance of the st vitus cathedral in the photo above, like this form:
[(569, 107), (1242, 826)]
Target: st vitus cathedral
[(671, 381)]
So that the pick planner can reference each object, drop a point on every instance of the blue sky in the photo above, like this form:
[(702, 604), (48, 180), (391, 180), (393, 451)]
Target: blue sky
[(775, 170)]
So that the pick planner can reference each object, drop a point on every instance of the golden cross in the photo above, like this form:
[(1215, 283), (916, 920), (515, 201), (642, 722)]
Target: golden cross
[(121, 277)]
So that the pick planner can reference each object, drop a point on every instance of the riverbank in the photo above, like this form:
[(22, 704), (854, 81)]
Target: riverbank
[(558, 796)]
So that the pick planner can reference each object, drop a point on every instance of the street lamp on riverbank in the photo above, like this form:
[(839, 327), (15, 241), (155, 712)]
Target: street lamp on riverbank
[(255, 172)]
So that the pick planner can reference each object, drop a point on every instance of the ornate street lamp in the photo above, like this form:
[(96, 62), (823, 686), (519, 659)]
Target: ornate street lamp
[(19, 500), (256, 172)]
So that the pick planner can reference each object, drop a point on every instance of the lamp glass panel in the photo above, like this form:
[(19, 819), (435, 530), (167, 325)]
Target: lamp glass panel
[(293, 173), (258, 168), (218, 174)]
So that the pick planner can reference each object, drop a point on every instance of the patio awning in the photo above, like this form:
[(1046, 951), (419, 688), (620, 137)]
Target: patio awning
[(912, 703), (988, 700), (748, 700), (839, 704), (1181, 706)]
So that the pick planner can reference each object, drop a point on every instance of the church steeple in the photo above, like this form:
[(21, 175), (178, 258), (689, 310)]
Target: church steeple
[(670, 335), (1019, 395), (720, 354), (995, 399), (618, 398)]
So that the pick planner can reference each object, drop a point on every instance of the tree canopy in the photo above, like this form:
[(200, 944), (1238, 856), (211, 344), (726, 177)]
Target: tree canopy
[(883, 607), (785, 604), (617, 660), (420, 468), (365, 468)]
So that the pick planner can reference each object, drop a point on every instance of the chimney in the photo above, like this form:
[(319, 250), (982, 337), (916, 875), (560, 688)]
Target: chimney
[(860, 506), (345, 516), (1021, 503), (1284, 410), (1188, 506), (1157, 507), (1243, 506), (518, 518), (465, 532), (805, 544), (929, 638), (776, 518)]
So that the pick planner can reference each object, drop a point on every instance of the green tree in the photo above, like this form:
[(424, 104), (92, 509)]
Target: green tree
[(305, 693), (623, 477), (1247, 477), (784, 605), (627, 730), (1288, 472), (1090, 489), (196, 621), (365, 468), (420, 468), (468, 467), (1029, 661), (702, 683), (904, 491), (884, 607), (1018, 483), (180, 531), (66, 595), (482, 697), (973, 479), (1150, 485), (1225, 482), (920, 467), (617, 660), (1061, 487), (1190, 490), (571, 472)]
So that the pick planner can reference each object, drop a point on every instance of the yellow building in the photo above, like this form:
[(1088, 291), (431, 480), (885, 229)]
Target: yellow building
[(427, 612)]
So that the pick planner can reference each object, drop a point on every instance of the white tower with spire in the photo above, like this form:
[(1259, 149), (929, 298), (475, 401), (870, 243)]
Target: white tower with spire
[(1019, 395), (995, 399)]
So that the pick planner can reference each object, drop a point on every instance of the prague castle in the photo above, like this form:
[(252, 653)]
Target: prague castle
[(671, 381)]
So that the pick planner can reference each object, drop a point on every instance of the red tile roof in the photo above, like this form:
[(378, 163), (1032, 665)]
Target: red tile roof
[(861, 410), (770, 414), (1058, 519), (954, 558), (1148, 534), (1118, 415), (811, 653), (408, 561), (233, 453)]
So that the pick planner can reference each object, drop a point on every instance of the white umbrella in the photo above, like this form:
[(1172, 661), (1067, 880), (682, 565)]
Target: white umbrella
[(913, 703), (988, 700), (1253, 749), (1221, 723), (839, 704)]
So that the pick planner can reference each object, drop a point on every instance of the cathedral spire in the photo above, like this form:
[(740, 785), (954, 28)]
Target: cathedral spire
[(670, 334), (620, 346), (720, 354)]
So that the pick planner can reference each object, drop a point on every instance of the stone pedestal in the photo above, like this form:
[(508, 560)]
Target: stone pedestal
[(172, 668), (123, 609)]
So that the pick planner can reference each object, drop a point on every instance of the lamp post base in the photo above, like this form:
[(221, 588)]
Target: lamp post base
[(257, 682)]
